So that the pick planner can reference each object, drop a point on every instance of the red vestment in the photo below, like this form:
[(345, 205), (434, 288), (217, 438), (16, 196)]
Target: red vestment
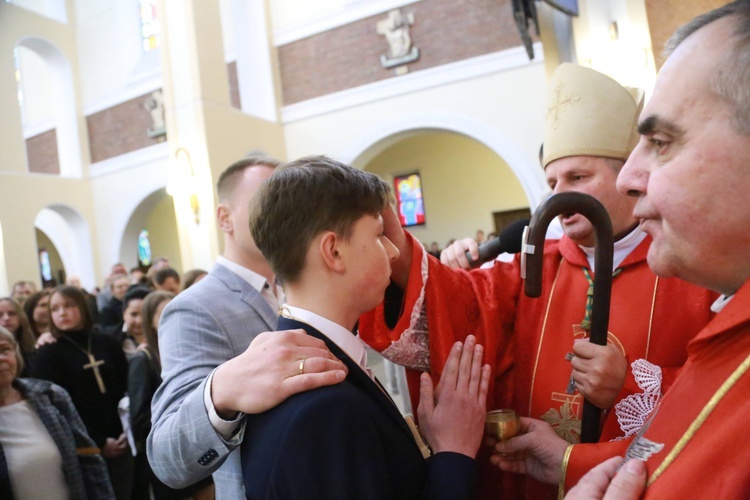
[(526, 340), (705, 410)]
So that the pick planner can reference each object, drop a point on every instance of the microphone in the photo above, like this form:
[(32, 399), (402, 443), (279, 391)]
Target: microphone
[(509, 240)]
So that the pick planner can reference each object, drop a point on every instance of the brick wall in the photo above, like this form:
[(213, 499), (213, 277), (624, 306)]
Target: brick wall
[(348, 56), (41, 152), (120, 129), (112, 132), (665, 16)]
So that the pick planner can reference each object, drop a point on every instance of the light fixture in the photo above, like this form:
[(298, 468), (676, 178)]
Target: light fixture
[(614, 32), (182, 181)]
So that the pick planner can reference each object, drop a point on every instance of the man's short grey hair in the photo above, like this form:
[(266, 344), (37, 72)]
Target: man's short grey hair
[(733, 84)]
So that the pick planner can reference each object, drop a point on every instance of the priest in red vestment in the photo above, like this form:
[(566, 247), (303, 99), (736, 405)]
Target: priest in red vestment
[(543, 364), (690, 175)]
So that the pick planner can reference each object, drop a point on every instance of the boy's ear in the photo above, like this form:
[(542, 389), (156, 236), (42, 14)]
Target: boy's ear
[(224, 217), (329, 251)]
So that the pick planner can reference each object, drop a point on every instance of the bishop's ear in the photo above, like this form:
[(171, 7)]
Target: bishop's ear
[(330, 251)]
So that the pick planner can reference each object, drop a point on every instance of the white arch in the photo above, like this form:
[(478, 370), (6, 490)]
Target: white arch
[(66, 117), (136, 221), (69, 232), (380, 137)]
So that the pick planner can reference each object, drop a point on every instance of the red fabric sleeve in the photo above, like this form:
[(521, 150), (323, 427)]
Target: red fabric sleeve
[(585, 457)]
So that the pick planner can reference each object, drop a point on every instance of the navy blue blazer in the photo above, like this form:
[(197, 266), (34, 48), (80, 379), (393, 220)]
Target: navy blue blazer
[(344, 441)]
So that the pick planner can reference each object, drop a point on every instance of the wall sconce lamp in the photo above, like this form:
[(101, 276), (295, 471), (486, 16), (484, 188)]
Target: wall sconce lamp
[(182, 181), (614, 32)]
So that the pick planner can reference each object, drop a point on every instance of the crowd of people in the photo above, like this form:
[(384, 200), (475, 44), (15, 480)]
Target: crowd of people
[(150, 388), (80, 378)]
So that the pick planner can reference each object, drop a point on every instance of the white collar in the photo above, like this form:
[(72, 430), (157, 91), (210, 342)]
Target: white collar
[(346, 340), (721, 302), (623, 247), (254, 279)]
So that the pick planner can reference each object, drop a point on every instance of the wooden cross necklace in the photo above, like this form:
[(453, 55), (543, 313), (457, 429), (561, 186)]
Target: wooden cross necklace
[(93, 363)]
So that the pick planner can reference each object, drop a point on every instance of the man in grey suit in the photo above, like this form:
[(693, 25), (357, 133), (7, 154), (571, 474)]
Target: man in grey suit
[(212, 375)]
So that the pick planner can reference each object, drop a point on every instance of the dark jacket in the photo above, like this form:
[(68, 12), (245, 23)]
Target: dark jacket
[(344, 441)]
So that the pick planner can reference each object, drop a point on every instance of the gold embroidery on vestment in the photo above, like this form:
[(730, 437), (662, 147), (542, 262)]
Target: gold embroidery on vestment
[(563, 472), (541, 338), (651, 318), (565, 422)]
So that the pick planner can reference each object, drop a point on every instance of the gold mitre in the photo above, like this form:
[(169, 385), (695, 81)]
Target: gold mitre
[(589, 114)]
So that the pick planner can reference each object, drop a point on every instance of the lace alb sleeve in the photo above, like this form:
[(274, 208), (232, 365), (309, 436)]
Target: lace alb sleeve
[(633, 411), (412, 349)]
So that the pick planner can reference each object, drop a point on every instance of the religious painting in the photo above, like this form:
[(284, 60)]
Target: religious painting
[(409, 197)]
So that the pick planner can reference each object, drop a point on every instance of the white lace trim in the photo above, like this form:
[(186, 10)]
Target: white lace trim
[(412, 349), (633, 411)]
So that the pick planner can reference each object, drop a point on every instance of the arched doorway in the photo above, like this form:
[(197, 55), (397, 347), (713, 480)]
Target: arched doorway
[(69, 232), (463, 182), (156, 214), (381, 136)]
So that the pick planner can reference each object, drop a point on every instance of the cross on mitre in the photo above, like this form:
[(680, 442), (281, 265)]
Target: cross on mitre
[(561, 103)]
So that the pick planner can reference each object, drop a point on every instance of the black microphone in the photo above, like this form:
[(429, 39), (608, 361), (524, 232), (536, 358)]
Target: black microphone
[(509, 240)]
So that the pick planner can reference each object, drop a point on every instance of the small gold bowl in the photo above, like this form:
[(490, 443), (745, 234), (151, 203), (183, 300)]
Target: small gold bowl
[(502, 424)]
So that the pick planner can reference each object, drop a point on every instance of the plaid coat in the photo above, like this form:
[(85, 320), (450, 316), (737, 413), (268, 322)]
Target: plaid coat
[(84, 468)]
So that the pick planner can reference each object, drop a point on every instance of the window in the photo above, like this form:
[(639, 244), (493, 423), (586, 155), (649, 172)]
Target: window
[(409, 196), (19, 95), (44, 266), (144, 249), (149, 25)]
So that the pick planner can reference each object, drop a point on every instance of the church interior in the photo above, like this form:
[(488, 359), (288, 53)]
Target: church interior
[(119, 115)]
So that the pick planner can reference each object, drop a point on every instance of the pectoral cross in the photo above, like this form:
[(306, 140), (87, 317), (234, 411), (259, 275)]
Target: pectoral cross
[(571, 389), (94, 365)]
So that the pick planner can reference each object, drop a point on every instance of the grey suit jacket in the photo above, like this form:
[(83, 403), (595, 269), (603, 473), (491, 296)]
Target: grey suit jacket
[(209, 323)]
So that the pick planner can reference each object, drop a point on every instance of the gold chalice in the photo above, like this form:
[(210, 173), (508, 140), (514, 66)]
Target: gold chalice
[(502, 424)]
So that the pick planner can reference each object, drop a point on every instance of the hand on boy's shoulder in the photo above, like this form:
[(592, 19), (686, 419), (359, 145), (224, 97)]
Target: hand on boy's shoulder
[(268, 372)]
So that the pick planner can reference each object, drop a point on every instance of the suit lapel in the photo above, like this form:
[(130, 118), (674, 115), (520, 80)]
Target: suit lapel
[(356, 375), (248, 295)]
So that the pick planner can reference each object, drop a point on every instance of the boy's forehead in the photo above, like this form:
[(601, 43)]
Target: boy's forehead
[(371, 219)]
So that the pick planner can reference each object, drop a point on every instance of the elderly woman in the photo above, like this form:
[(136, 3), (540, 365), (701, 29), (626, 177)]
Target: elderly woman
[(44, 449)]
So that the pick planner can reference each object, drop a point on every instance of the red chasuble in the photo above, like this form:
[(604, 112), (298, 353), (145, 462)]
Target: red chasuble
[(526, 340), (696, 444)]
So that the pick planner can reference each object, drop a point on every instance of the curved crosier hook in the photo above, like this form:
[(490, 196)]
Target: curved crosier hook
[(533, 251)]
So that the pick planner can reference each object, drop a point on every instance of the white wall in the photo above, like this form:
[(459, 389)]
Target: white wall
[(296, 19), (286, 13), (463, 183), (508, 117), (113, 66), (119, 187), (628, 57)]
